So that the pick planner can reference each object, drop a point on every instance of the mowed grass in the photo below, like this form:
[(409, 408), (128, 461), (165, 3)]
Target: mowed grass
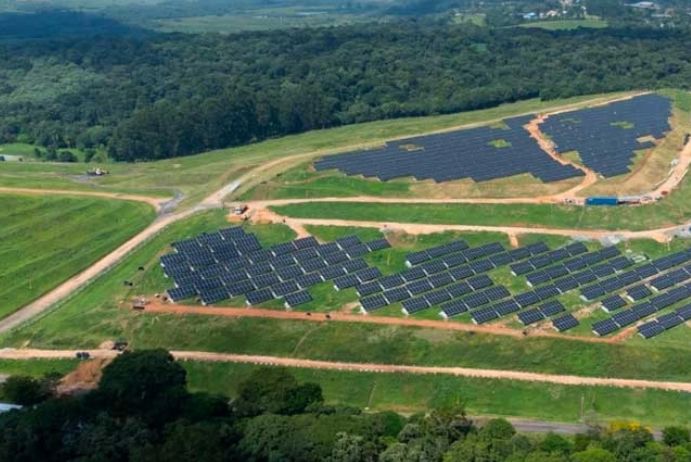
[(673, 210), (409, 393), (45, 240)]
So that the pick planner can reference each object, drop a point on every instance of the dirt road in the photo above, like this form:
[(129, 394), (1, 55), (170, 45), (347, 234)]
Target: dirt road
[(374, 368), (155, 202), (416, 228)]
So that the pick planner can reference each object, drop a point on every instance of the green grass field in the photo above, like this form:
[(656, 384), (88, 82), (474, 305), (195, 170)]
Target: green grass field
[(409, 393), (46, 240)]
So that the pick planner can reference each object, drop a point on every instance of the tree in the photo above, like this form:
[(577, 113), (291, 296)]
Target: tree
[(594, 454), (67, 156), (497, 429), (553, 443), (23, 390), (675, 436), (275, 390), (144, 381)]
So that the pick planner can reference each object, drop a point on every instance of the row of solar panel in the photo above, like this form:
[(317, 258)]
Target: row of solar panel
[(639, 273), (434, 268), (665, 322), (571, 265), (456, 155), (591, 131), (642, 310)]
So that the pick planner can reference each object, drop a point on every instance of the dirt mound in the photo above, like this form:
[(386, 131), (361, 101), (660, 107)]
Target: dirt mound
[(85, 377)]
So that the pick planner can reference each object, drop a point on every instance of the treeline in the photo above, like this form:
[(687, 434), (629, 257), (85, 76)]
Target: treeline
[(142, 411), (174, 95)]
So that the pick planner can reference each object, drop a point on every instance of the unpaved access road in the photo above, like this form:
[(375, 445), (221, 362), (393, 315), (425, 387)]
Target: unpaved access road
[(573, 380), (155, 202)]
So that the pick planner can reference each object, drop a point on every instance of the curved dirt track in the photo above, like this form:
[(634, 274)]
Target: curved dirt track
[(375, 368), (155, 202), (364, 319), (416, 228)]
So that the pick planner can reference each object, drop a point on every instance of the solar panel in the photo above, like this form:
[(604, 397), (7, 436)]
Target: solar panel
[(459, 289), (353, 266), (441, 279), (378, 244), (461, 272), (357, 251), (313, 265), (308, 280), (368, 288), (551, 308), (624, 318), (336, 258), (650, 329), (530, 316), (546, 292), (332, 272), (437, 297), (420, 286), (566, 322), (475, 299), (613, 303), (480, 282), (605, 327), (646, 270), (506, 307), (289, 272), (181, 293), (527, 299), (521, 268), (497, 293), (684, 312), (284, 288), (259, 296), (305, 255), (412, 274), (329, 247), (396, 294), (584, 277), (484, 315), (453, 308), (297, 299), (211, 296), (669, 320), (265, 280), (368, 274), (415, 305), (240, 288), (501, 259), (481, 266), (282, 249), (453, 260), (566, 284), (416, 258), (433, 267), (389, 282), (592, 292), (306, 242), (644, 309), (348, 241), (345, 282), (373, 302)]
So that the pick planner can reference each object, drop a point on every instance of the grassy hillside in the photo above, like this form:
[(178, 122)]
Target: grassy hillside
[(46, 240)]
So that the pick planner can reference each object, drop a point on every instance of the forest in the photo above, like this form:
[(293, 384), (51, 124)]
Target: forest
[(142, 411), (156, 96)]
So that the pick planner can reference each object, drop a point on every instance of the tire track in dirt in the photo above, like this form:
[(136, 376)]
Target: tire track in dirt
[(493, 374)]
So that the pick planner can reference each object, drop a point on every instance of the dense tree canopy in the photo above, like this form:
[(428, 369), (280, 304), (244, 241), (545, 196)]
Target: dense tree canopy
[(171, 95), (142, 412)]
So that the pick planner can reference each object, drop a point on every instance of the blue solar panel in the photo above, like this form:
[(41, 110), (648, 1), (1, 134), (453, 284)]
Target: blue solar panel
[(456, 155)]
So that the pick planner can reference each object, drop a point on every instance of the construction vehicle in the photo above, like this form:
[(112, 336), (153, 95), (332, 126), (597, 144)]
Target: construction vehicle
[(97, 171), (240, 209)]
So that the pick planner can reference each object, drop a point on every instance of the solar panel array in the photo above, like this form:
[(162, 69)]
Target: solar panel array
[(229, 263), (448, 273), (602, 144), (665, 322), (456, 155), (672, 278)]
